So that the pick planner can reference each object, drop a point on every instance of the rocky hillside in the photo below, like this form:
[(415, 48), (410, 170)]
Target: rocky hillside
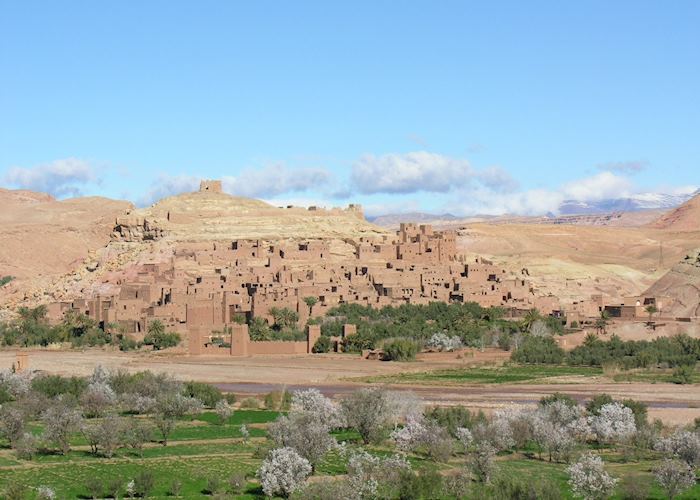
[(42, 238), (682, 284), (684, 218), (203, 216)]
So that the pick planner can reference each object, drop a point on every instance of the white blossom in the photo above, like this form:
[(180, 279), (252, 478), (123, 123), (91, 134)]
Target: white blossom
[(223, 410), (16, 383), (410, 435), (245, 432), (45, 493), (322, 408), (682, 444), (283, 472), (674, 476), (444, 342), (366, 473), (465, 437), (614, 422), (588, 479)]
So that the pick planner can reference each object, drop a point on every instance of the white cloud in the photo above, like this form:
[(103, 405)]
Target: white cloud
[(59, 178), (169, 185), (410, 172), (598, 187), (268, 182), (632, 166), (485, 201), (275, 180)]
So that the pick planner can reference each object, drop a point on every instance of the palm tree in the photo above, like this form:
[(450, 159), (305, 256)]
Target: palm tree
[(601, 323), (311, 302), (651, 310), (530, 318)]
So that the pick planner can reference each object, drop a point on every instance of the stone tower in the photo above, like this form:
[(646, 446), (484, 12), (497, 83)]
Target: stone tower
[(210, 186)]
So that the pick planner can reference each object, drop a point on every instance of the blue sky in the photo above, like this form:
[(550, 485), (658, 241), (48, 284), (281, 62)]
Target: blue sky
[(467, 107)]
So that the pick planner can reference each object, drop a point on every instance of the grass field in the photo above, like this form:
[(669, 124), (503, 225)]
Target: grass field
[(218, 452), (506, 374)]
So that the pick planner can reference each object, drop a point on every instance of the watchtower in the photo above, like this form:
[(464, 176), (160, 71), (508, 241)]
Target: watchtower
[(210, 186)]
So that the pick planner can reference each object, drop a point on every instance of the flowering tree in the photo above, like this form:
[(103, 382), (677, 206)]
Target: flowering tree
[(682, 444), (465, 437), (482, 461), (169, 408), (283, 472), (369, 411), (368, 475), (614, 422), (60, 421), (443, 342), (674, 476), (97, 398), (306, 435), (419, 432), (311, 401), (498, 432), (588, 479), (16, 384), (223, 410), (245, 433), (12, 423), (45, 493)]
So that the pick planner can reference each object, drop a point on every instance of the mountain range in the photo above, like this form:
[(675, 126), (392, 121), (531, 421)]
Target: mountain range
[(634, 203)]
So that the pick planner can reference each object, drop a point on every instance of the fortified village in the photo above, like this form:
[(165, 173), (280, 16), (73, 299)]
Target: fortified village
[(210, 289)]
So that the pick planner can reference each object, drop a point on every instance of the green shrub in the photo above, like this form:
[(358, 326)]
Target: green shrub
[(323, 344), (400, 350), (538, 350), (454, 417), (5, 280), (56, 385), (683, 374), (278, 400), (159, 338), (558, 396), (206, 393), (250, 403)]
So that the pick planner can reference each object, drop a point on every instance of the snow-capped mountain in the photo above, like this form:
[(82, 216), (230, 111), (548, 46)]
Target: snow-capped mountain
[(642, 201)]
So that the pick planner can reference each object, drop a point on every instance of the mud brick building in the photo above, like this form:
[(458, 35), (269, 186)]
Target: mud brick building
[(207, 289)]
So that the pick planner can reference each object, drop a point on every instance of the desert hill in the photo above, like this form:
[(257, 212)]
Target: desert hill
[(212, 215), (572, 261), (682, 284), (42, 239), (684, 218), (59, 249)]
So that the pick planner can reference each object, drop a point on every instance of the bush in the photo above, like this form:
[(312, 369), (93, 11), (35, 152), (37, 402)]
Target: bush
[(539, 350), (323, 344), (206, 393), (56, 385), (144, 483), (250, 403), (400, 350), (455, 417), (278, 400), (683, 374)]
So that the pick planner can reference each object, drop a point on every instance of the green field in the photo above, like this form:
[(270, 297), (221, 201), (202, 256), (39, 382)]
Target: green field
[(506, 374)]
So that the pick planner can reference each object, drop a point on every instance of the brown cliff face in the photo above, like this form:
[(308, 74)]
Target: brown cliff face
[(42, 238), (211, 215), (682, 285), (684, 218)]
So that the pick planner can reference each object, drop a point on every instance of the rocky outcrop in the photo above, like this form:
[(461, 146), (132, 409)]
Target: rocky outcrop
[(682, 285)]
